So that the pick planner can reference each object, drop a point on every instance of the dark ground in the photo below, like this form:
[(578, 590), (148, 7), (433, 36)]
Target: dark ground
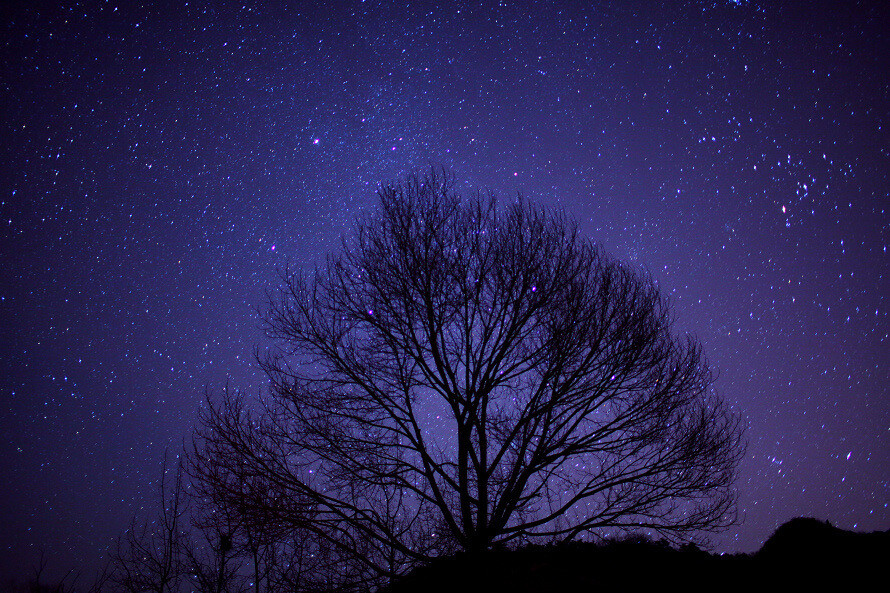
[(802, 554)]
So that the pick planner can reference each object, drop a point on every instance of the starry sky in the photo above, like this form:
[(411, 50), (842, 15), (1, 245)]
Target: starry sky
[(159, 161)]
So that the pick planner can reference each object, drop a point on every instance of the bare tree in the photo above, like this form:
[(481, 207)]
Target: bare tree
[(151, 557), (70, 582), (190, 546), (464, 375), (252, 533), (214, 563)]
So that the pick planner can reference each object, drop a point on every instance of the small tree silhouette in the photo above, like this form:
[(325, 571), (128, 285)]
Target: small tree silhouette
[(463, 376), (151, 557)]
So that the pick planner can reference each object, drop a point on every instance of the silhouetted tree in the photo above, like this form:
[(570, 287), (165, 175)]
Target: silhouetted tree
[(463, 376), (268, 550), (152, 556), (70, 582), (214, 563)]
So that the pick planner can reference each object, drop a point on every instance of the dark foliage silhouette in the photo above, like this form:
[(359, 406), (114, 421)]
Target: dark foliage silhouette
[(464, 376)]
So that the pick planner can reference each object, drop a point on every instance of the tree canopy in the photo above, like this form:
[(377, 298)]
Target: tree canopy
[(465, 374)]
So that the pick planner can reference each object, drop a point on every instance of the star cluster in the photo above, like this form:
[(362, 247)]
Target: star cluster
[(159, 162)]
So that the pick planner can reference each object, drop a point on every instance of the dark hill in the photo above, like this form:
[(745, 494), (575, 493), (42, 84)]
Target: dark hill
[(802, 553), (818, 551), (809, 539)]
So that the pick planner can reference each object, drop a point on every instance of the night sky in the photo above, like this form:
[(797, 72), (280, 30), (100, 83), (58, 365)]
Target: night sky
[(159, 162)]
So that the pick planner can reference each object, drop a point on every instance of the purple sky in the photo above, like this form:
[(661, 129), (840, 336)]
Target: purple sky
[(158, 163)]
